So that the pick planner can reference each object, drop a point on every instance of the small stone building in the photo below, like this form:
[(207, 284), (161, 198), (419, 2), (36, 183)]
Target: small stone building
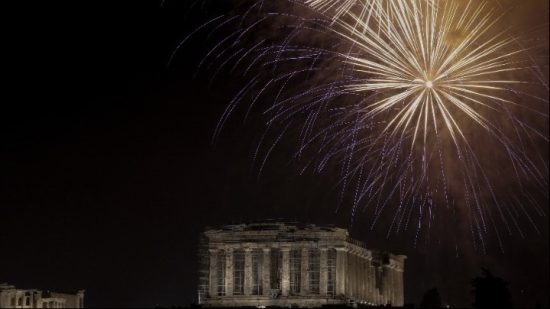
[(288, 264), (11, 297)]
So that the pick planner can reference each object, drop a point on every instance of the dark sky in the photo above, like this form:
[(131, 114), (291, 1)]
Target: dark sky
[(108, 173)]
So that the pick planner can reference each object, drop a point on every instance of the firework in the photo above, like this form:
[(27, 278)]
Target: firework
[(439, 72), (427, 108)]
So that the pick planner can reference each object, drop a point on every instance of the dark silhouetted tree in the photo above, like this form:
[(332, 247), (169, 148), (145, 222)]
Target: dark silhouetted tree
[(431, 299), (491, 291)]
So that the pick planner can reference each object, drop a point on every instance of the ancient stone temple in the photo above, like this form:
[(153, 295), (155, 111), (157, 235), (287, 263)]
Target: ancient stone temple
[(288, 264), (12, 297)]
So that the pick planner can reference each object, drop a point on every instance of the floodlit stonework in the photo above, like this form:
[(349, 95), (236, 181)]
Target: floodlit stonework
[(288, 264), (11, 297)]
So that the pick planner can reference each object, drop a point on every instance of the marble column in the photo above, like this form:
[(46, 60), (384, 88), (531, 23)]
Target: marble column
[(266, 270), (359, 266), (247, 271), (341, 271), (368, 279), (363, 278), (358, 279), (304, 282), (229, 271), (400, 298), (323, 278), (285, 275), (372, 281), (353, 271), (395, 287), (386, 284), (351, 276), (378, 280), (213, 274), (390, 288)]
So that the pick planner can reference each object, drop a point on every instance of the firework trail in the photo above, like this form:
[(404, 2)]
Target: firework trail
[(339, 8), (428, 109)]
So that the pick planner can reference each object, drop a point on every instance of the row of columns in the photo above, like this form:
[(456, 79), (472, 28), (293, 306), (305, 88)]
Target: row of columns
[(266, 271), (361, 280), (355, 275), (393, 285), (52, 304)]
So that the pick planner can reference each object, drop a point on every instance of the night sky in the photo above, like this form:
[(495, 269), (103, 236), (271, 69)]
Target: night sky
[(108, 172)]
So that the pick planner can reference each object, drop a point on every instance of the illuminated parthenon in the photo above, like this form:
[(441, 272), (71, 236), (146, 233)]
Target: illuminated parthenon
[(287, 264)]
